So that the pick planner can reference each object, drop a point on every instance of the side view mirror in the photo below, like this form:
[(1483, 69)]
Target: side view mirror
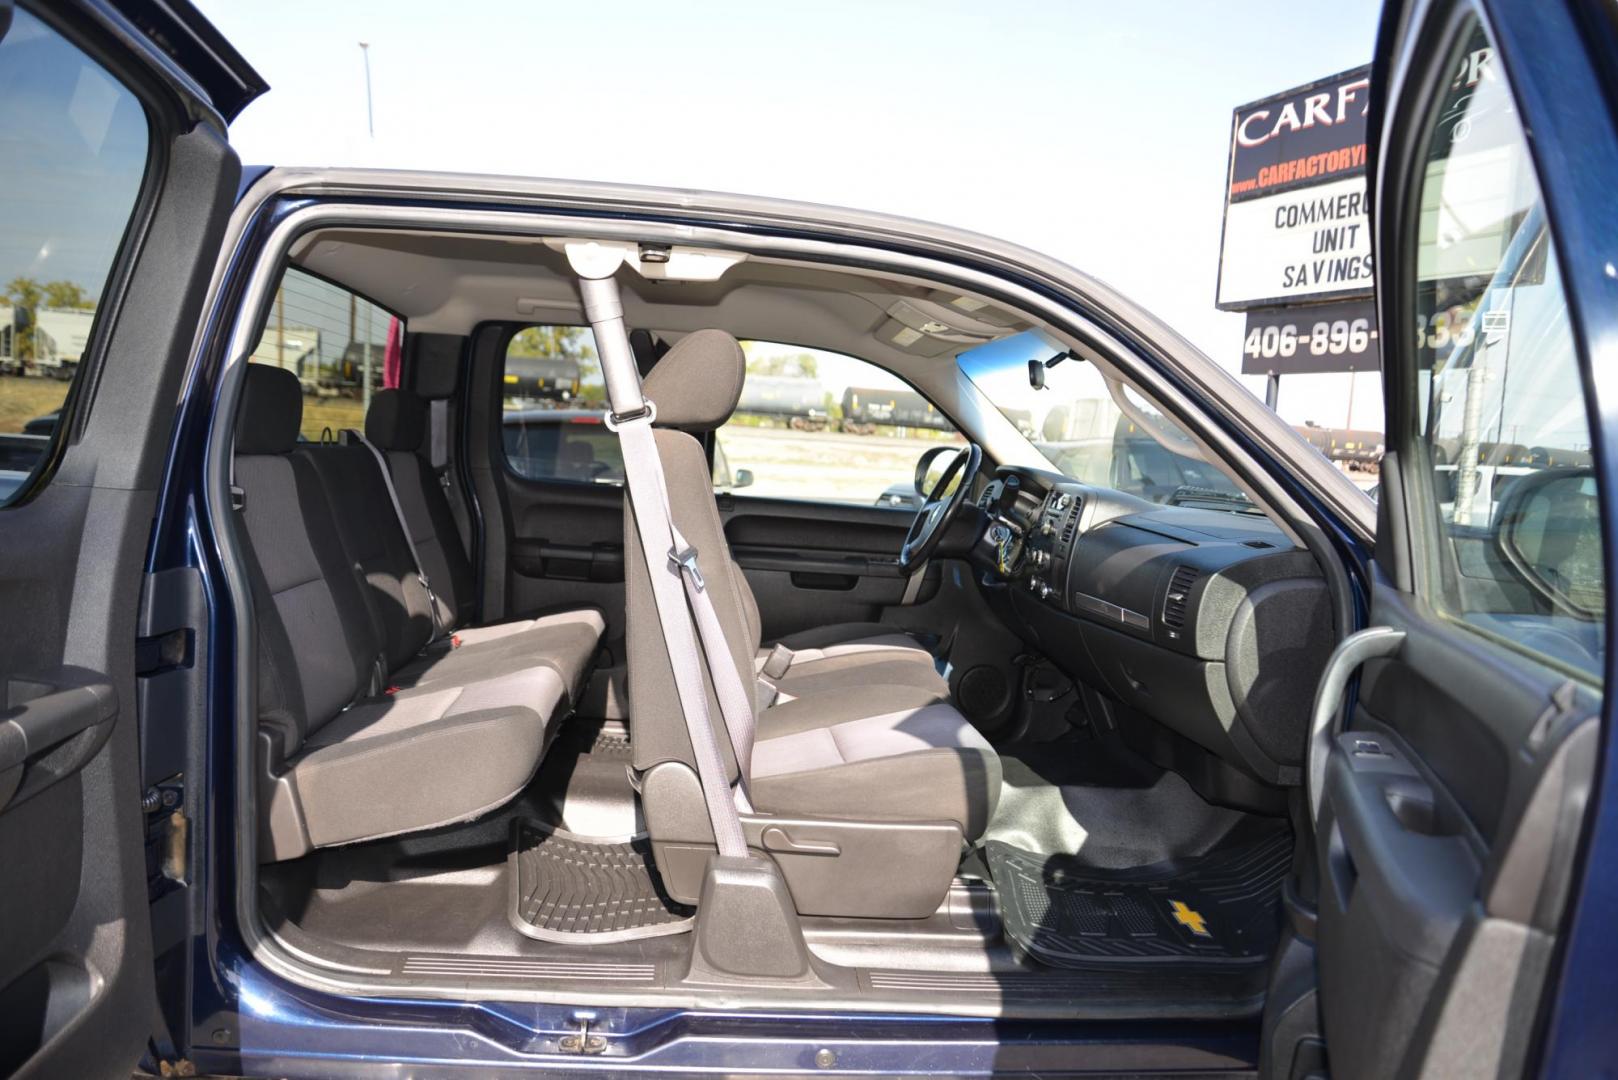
[(925, 463), (1549, 533), (743, 478)]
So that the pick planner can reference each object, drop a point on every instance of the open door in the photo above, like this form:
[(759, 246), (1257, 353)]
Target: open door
[(115, 182), (1449, 795)]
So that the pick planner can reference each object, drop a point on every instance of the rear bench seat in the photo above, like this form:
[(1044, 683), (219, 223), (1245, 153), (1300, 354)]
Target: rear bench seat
[(361, 735)]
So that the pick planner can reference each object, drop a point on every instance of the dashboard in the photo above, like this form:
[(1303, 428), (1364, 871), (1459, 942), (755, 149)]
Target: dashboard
[(1210, 622)]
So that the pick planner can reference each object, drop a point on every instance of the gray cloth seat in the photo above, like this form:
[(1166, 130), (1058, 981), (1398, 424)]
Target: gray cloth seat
[(396, 424), (874, 754), (401, 608), (341, 759), (424, 758), (845, 654), (876, 741)]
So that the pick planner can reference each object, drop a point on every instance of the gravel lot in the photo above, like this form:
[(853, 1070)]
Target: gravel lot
[(823, 464)]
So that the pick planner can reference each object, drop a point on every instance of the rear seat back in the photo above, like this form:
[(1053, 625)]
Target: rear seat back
[(374, 547), (317, 643), (396, 424)]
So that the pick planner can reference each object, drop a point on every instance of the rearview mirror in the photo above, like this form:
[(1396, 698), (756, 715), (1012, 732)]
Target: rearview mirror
[(1549, 533), (743, 478), (1036, 374)]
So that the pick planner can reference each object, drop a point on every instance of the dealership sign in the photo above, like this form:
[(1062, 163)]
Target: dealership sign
[(1296, 226)]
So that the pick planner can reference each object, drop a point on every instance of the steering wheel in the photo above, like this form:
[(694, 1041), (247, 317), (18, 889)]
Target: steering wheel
[(940, 508)]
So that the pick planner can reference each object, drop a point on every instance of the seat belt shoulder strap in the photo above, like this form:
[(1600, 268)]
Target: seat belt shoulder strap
[(404, 527)]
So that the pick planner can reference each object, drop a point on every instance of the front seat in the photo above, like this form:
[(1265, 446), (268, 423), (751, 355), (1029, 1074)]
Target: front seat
[(869, 775)]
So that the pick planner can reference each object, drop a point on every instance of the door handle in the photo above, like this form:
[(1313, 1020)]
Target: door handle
[(1372, 643), (49, 720)]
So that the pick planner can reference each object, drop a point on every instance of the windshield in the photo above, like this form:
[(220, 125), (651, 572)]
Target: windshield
[(1078, 423)]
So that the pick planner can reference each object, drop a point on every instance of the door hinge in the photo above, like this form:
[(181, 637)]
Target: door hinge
[(584, 1041)]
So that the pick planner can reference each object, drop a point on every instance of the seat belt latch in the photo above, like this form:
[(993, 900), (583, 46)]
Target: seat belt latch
[(777, 663), (686, 563)]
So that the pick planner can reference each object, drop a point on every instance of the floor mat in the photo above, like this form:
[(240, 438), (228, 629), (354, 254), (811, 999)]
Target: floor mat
[(1222, 908), (585, 889)]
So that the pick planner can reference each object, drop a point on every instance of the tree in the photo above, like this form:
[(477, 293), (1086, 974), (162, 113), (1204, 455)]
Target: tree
[(67, 294), (784, 365)]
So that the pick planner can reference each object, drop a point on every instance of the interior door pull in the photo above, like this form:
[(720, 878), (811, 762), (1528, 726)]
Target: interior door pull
[(1369, 644)]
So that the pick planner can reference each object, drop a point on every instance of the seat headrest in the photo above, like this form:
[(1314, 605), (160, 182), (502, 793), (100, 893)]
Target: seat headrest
[(397, 420), (271, 411), (697, 382)]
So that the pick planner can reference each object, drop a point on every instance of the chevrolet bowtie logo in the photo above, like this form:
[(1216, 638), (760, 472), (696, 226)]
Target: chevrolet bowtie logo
[(1189, 918)]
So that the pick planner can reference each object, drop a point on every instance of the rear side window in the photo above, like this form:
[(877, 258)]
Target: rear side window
[(74, 144), (1500, 398), (552, 408), (342, 347)]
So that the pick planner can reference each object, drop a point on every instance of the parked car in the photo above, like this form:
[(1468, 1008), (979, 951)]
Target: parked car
[(434, 754)]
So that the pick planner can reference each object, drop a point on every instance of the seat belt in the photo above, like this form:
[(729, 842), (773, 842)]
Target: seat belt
[(438, 458), (404, 527), (631, 419)]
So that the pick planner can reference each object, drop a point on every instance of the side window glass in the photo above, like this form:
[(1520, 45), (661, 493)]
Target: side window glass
[(1502, 408), (553, 404), (342, 347), (822, 426), (73, 151)]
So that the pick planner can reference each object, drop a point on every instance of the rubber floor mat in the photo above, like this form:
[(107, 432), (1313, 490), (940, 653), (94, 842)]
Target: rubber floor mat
[(1220, 909), (583, 889)]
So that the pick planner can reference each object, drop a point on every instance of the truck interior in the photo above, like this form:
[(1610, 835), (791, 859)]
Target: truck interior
[(1034, 749)]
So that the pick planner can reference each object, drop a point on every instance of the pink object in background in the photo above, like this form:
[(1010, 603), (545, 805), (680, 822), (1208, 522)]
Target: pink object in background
[(393, 355)]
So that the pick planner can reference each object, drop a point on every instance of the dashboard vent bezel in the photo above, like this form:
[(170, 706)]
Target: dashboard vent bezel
[(1183, 580), (1070, 523)]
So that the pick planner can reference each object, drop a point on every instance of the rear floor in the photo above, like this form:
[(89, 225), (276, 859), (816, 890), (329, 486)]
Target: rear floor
[(1097, 844)]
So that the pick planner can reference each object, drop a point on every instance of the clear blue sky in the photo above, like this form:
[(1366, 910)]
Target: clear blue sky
[(1096, 132)]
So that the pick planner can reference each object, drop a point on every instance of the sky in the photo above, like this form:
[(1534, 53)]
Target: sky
[(1095, 132)]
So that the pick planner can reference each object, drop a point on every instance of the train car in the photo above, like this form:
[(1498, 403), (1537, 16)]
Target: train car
[(797, 399), (1353, 446), (864, 408), (542, 378)]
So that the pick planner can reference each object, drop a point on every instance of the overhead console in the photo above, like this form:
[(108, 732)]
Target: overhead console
[(1210, 622)]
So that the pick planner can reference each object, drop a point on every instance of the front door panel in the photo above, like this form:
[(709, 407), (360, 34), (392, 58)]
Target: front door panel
[(1452, 796), (116, 185)]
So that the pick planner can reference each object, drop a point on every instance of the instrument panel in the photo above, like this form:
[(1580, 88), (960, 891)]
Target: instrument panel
[(1166, 609)]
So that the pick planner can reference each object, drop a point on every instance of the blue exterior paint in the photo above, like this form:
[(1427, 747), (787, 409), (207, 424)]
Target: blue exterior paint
[(1560, 62)]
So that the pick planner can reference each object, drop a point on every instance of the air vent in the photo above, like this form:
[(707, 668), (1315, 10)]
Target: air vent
[(1179, 595), (1071, 526)]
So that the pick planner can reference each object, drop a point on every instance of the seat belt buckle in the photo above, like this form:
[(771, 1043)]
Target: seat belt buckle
[(238, 497), (686, 562), (777, 663)]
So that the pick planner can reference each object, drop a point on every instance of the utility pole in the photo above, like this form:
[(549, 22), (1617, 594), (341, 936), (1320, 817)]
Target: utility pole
[(370, 122)]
